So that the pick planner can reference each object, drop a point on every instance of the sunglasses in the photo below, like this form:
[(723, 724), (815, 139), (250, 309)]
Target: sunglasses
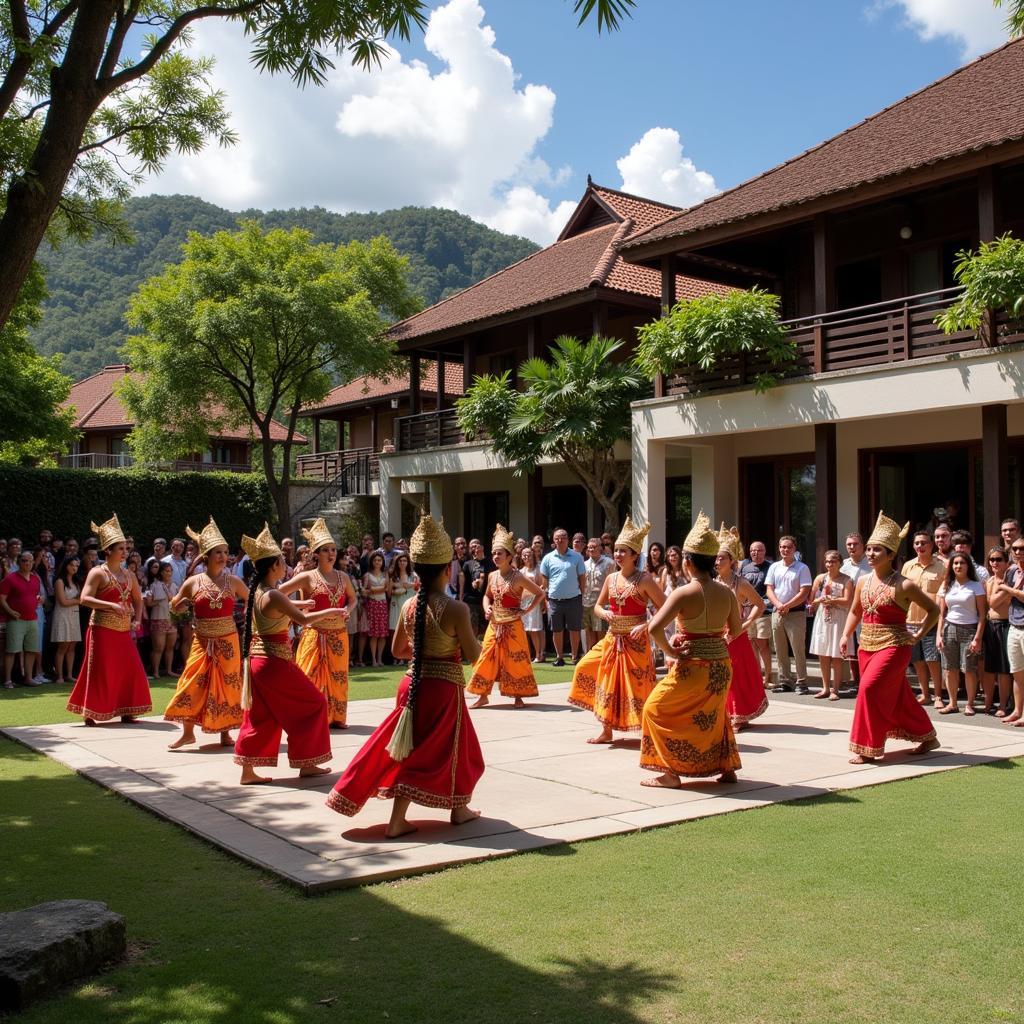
[(1017, 548), (999, 558)]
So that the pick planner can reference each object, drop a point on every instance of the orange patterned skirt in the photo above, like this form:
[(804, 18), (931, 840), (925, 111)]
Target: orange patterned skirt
[(505, 659), (686, 726), (323, 656), (614, 680), (209, 689)]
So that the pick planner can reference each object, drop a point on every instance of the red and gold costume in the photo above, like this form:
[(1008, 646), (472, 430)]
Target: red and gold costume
[(505, 652), (616, 676), (446, 762), (746, 699), (283, 699), (112, 682), (323, 649), (209, 690), (886, 707)]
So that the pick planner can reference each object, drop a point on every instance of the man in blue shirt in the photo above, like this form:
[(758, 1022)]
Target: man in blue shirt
[(563, 573)]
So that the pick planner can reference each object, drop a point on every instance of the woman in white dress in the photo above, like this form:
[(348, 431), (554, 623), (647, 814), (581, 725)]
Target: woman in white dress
[(533, 620), (403, 586), (831, 597), (65, 627)]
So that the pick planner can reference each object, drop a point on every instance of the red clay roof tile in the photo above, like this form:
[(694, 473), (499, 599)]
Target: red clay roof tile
[(363, 390)]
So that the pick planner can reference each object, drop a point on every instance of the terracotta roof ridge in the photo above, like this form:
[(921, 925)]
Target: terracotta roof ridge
[(498, 273), (639, 198), (638, 237), (611, 253)]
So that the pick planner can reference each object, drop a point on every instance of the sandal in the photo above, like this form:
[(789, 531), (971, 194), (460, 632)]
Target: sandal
[(8, 685), (949, 709), (833, 695), (969, 711)]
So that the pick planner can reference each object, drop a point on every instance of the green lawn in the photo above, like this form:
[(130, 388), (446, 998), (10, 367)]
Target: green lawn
[(42, 705), (889, 904)]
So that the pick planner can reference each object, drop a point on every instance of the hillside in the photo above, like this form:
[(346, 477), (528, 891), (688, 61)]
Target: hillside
[(90, 283)]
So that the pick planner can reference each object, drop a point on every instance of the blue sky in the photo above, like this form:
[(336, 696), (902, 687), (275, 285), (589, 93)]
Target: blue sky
[(506, 105)]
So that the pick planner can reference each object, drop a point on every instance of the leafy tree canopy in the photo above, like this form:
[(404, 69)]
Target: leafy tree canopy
[(993, 278), (573, 408), (250, 327)]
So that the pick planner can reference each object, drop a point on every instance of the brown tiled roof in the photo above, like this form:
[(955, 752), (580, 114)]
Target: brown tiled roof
[(99, 408), (571, 265), (363, 390), (975, 107)]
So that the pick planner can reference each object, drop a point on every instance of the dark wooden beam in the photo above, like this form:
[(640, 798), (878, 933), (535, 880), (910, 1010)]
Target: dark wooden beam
[(995, 473), (532, 330), (440, 381), (599, 319), (987, 216), (825, 487), (467, 364), (316, 434), (821, 265), (668, 300), (373, 431), (341, 433), (414, 383)]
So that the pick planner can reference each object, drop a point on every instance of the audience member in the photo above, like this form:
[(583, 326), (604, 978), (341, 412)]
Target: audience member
[(564, 575), (787, 584), (755, 571), (598, 566), (962, 614), (928, 571)]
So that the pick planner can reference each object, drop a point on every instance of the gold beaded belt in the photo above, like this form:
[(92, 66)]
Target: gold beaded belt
[(210, 629), (875, 636), (332, 624), (502, 615), (705, 648), (266, 648), (623, 624), (450, 671), (110, 620)]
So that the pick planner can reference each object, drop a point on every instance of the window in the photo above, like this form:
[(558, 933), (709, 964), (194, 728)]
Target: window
[(859, 284)]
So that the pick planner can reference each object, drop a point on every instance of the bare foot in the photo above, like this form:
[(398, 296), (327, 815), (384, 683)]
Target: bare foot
[(481, 702), (834, 695), (923, 748), (604, 736), (864, 759), (1008, 720), (519, 703), (923, 699), (821, 694), (665, 781), (183, 741), (312, 770), (969, 711), (727, 777), (938, 704), (250, 778), (460, 815), (399, 828), (1018, 724), (226, 740)]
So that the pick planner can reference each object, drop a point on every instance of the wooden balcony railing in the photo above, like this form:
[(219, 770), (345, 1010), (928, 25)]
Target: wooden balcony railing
[(328, 465), (875, 335), (124, 460), (428, 430)]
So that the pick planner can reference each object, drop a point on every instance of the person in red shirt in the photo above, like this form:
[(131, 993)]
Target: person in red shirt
[(19, 598)]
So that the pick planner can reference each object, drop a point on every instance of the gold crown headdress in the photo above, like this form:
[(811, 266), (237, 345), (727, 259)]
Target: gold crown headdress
[(429, 544), (887, 532), (503, 539), (701, 540), (318, 535), (632, 536), (109, 533), (208, 538), (262, 546), (729, 540)]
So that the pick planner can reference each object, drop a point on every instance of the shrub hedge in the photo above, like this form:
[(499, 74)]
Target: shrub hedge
[(149, 504)]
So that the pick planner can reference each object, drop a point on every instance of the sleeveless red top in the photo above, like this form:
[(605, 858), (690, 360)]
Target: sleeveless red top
[(212, 601)]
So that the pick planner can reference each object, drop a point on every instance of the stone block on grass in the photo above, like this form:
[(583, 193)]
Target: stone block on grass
[(46, 946)]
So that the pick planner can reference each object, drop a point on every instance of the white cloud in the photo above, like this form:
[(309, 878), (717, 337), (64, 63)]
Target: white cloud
[(464, 135), (656, 168), (977, 25)]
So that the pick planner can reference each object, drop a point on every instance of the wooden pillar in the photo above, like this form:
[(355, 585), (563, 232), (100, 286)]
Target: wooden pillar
[(316, 435), (532, 331), (599, 319), (414, 383), (341, 433), (995, 473), (987, 216), (668, 300), (822, 271), (440, 381), (467, 363), (825, 487)]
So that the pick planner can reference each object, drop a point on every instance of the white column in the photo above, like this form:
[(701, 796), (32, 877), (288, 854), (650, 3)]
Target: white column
[(436, 489), (390, 501), (649, 485), (702, 475)]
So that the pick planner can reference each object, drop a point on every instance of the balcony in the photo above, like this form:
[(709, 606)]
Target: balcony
[(124, 460), (877, 335), (428, 430), (329, 465)]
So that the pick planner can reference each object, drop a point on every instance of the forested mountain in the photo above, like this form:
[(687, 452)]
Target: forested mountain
[(90, 283)]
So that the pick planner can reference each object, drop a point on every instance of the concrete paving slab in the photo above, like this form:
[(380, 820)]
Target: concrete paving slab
[(544, 785)]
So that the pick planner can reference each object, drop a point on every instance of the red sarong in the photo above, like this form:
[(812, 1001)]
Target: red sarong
[(886, 707), (283, 699), (445, 764), (746, 700), (112, 682)]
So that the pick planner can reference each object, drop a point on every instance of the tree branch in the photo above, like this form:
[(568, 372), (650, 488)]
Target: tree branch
[(122, 24), (21, 64)]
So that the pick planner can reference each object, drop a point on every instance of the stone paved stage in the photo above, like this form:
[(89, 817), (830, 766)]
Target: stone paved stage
[(544, 785)]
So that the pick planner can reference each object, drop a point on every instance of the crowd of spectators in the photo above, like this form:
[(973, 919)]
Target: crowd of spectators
[(978, 644)]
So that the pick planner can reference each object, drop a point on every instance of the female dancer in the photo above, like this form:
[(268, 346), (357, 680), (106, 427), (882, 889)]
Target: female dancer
[(209, 692), (276, 694), (505, 655), (533, 611), (323, 650), (616, 676), (403, 586), (746, 699), (426, 750), (376, 588), (831, 595), (886, 707), (112, 682), (686, 728)]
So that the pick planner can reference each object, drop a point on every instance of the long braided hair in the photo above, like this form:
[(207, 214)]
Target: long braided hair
[(427, 573), (261, 569)]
